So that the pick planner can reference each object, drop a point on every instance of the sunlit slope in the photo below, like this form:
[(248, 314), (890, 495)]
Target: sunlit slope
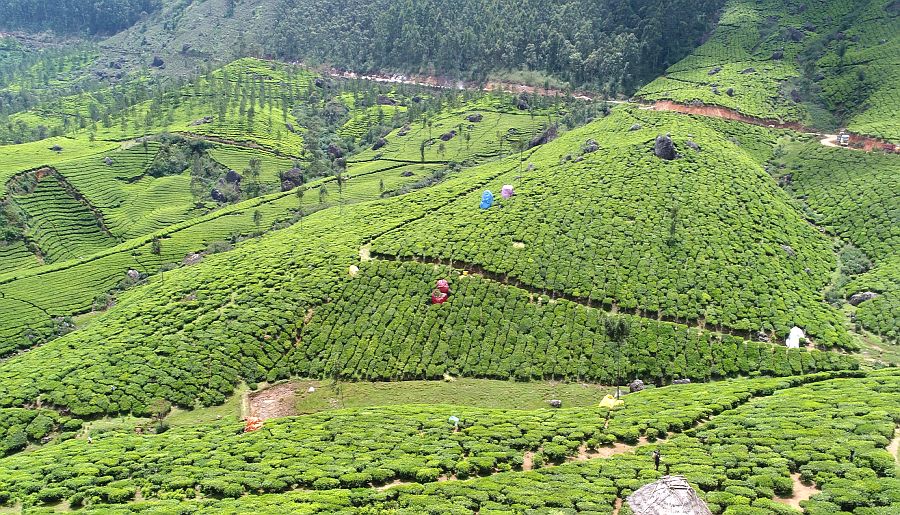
[(333, 463), (37, 295), (708, 238), (263, 311)]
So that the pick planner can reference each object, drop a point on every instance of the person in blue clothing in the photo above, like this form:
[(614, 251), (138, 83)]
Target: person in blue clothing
[(487, 199)]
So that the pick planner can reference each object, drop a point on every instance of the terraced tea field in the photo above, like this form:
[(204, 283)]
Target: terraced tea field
[(60, 226)]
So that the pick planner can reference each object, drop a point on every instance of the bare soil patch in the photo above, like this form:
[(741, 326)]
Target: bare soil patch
[(606, 451), (276, 401), (528, 460), (392, 484), (802, 492)]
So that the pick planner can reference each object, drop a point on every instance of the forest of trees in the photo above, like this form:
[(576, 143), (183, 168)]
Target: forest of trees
[(612, 45), (74, 16)]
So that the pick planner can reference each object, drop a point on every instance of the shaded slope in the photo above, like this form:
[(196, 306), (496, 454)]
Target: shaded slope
[(854, 196), (819, 63), (60, 225)]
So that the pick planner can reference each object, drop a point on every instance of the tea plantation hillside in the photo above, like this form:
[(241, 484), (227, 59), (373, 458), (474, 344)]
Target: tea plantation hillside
[(285, 305), (622, 228), (854, 195), (819, 63), (234, 284), (151, 201)]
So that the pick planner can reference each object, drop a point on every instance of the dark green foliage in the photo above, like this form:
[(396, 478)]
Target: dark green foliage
[(380, 327), (607, 44), (74, 16), (758, 433)]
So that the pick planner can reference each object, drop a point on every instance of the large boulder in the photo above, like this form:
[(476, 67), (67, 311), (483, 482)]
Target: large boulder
[(664, 148), (635, 386), (681, 381), (192, 259), (233, 177), (546, 136), (715, 70), (475, 117), (794, 34), (385, 100), (379, 143), (158, 62), (217, 195), (556, 403), (522, 102), (448, 136), (590, 146), (202, 121), (858, 298)]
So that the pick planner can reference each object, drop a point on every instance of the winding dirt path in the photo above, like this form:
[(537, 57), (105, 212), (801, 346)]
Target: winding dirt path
[(857, 141), (894, 447)]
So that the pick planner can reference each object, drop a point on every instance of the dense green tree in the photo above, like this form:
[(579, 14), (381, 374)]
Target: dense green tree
[(608, 44), (74, 16)]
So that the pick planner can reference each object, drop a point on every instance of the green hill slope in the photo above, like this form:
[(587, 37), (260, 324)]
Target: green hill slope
[(854, 196), (819, 63), (267, 309), (705, 238)]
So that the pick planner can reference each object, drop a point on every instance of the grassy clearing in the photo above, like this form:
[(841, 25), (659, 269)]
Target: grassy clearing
[(482, 393), (227, 413)]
